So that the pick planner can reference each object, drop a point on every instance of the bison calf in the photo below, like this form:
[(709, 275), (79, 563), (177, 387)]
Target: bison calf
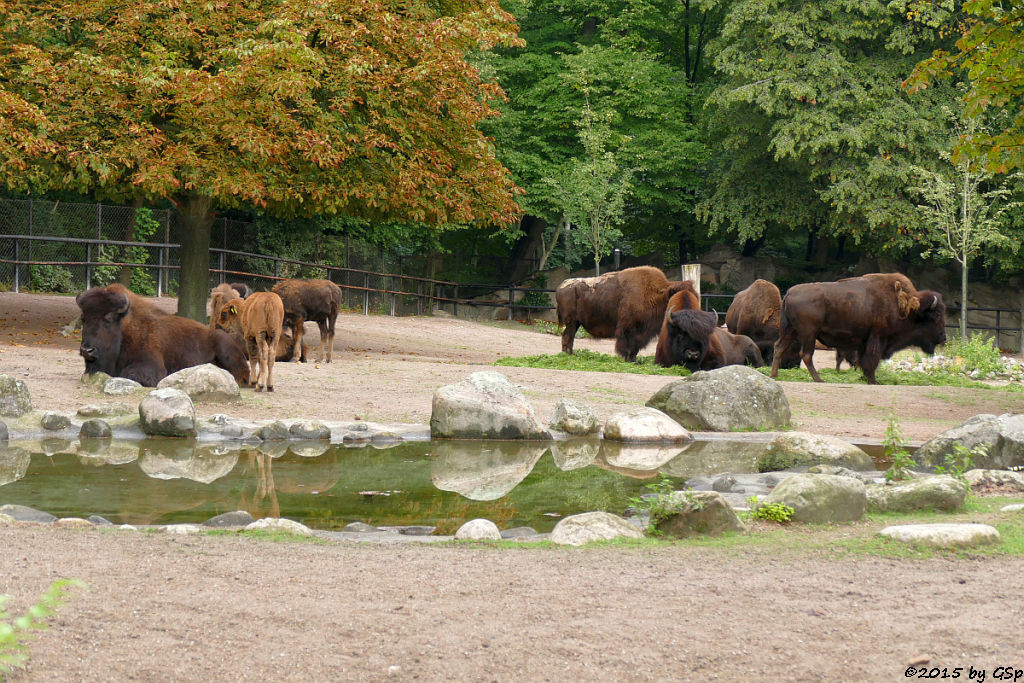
[(316, 300), (259, 320)]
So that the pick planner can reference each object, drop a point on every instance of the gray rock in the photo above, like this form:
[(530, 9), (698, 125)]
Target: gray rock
[(484, 406), (644, 425), (105, 410), (121, 386), (928, 493), (416, 530), (731, 398), (14, 464), (94, 429), (699, 513), (592, 526), (183, 529), (359, 528), (22, 513), (821, 498), (1003, 480), (97, 379), (1003, 435), (574, 418), (943, 535), (230, 519), (4, 435), (840, 472), (279, 524), (275, 431), (483, 471), (99, 521), (800, 448), (574, 454), (167, 412), (478, 530), (310, 430), (519, 532), (724, 483), (7, 520), (54, 422), (206, 383), (15, 400)]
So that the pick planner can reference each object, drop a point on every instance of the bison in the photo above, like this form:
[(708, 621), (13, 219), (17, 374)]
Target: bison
[(685, 299), (316, 300), (755, 312), (125, 335), (695, 341), (259, 320), (628, 305), (865, 318)]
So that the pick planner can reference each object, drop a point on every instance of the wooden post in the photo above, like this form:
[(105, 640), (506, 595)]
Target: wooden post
[(691, 271)]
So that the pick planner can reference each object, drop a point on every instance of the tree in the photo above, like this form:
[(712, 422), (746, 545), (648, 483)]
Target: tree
[(990, 52), (593, 190), (964, 210), (300, 107)]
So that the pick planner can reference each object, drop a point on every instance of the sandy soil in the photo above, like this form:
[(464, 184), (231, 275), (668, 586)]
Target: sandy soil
[(225, 608)]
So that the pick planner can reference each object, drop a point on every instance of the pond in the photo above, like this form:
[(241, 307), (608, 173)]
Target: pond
[(440, 483)]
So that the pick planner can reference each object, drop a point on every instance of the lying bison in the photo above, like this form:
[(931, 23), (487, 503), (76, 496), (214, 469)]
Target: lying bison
[(685, 299), (697, 343), (865, 318), (315, 300), (628, 305), (125, 335)]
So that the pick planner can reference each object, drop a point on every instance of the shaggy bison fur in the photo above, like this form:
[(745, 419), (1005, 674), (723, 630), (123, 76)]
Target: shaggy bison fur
[(697, 343), (315, 300), (755, 312), (685, 299), (259, 320)]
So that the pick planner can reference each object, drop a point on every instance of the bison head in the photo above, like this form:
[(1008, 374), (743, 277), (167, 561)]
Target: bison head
[(103, 309), (228, 318), (689, 334), (929, 321)]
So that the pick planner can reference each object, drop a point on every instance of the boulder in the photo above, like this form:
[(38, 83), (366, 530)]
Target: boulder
[(97, 380), (1002, 434), (699, 513), (592, 526), (15, 400), (94, 429), (121, 386), (644, 425), (22, 513), (478, 530), (821, 498), (800, 448), (927, 493), (239, 518), (167, 412), (310, 430), (207, 383), (281, 525), (14, 464), (727, 399), (574, 418), (274, 431), (949, 536), (484, 406), (54, 422)]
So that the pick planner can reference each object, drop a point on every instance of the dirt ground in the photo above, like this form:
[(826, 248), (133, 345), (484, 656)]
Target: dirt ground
[(159, 607)]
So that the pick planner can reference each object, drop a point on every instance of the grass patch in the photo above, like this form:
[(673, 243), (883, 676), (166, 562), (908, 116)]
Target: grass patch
[(592, 361), (266, 535)]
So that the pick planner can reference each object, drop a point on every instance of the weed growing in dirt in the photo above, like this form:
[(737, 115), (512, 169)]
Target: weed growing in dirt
[(896, 450), (591, 361), (14, 632), (961, 460), (660, 502)]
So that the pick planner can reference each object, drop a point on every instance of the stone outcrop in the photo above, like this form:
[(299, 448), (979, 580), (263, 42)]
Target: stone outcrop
[(731, 398), (1003, 435), (167, 412), (484, 406), (699, 513), (927, 493), (821, 498), (592, 526)]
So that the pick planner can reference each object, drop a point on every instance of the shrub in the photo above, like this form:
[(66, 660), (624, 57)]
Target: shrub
[(50, 279), (896, 449), (14, 632), (974, 353), (780, 513), (660, 503)]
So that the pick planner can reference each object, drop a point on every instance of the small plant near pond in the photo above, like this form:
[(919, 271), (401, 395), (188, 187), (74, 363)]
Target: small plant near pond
[(896, 450), (661, 502), (961, 460), (14, 632), (780, 513)]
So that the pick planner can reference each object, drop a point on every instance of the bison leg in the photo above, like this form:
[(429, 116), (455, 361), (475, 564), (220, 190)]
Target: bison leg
[(264, 352), (330, 336), (254, 351), (870, 359), (299, 350), (325, 345), (786, 345), (271, 357), (569, 336)]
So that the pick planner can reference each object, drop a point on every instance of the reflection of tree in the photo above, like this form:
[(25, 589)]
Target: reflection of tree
[(261, 500)]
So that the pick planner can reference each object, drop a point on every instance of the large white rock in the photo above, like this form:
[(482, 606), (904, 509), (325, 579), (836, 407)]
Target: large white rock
[(592, 526), (644, 425), (803, 448), (943, 535), (203, 383), (280, 524), (484, 406), (727, 399), (574, 418), (121, 386), (478, 530), (821, 498), (167, 412)]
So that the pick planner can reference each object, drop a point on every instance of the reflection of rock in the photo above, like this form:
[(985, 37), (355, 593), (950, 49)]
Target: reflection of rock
[(483, 470), (54, 445), (97, 452), (574, 454), (275, 449), (641, 458), (13, 464), (166, 459), (305, 476), (714, 457), (309, 449)]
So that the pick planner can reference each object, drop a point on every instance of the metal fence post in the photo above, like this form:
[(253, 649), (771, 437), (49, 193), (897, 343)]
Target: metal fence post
[(455, 302), (160, 272), (419, 297), (393, 297), (17, 269), (366, 294), (511, 302), (88, 266), (220, 263)]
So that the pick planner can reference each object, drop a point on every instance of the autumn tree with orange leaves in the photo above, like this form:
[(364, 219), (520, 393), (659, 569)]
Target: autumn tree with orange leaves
[(359, 107)]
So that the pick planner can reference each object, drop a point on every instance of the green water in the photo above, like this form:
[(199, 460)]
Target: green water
[(326, 487)]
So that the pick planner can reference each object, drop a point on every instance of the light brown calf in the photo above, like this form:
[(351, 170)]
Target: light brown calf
[(258, 319)]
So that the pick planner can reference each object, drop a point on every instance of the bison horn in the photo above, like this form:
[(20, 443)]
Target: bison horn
[(124, 308)]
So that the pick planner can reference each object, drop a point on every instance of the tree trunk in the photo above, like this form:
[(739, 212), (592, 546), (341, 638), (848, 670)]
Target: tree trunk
[(197, 220), (963, 303), (548, 249), (519, 263)]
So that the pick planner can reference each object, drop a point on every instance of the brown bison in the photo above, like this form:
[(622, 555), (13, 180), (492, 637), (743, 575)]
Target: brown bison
[(259, 320), (865, 318), (685, 299), (627, 305), (315, 300), (697, 343), (125, 335), (755, 312)]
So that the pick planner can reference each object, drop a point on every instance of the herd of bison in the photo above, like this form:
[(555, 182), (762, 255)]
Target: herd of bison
[(865, 319)]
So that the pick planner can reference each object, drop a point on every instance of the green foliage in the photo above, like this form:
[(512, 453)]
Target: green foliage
[(14, 632), (592, 361), (779, 513), (50, 279), (895, 445), (976, 352), (938, 377), (661, 502), (961, 460), (142, 281)]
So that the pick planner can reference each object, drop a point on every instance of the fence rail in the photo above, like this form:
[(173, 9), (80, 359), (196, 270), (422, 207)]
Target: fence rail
[(372, 291)]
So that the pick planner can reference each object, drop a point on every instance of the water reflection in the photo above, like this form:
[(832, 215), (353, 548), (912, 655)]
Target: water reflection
[(575, 453), (714, 457), (487, 471), (14, 464), (185, 459), (636, 460)]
